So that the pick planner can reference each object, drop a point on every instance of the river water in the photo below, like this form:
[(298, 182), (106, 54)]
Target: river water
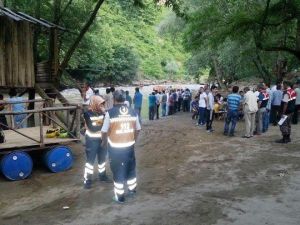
[(73, 95)]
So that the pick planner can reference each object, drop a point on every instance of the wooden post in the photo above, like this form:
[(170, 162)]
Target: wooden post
[(31, 96), (11, 116), (41, 129), (68, 119), (78, 112)]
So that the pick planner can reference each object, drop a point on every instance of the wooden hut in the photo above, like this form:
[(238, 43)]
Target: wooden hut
[(17, 65)]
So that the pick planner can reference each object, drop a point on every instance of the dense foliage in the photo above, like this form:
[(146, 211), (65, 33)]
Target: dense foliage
[(237, 38), (226, 40), (123, 43)]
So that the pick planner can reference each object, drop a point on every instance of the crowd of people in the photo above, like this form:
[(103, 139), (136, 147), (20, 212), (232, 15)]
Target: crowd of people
[(259, 107), (112, 127), (170, 101), (113, 121)]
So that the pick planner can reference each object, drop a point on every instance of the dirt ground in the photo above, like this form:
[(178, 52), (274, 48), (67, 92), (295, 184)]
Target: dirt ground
[(185, 176)]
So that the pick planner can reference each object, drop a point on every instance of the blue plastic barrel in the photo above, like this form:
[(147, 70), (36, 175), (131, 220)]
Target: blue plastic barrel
[(16, 165), (59, 159)]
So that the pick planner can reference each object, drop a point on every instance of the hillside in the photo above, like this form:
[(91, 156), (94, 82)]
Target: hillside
[(125, 44)]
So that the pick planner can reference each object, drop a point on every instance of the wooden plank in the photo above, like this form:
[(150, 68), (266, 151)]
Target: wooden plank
[(13, 15), (22, 54), (31, 82), (49, 109), (14, 140), (78, 116), (24, 101), (2, 53), (8, 53), (15, 56), (41, 130)]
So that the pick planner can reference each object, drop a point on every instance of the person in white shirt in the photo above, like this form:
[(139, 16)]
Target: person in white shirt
[(109, 99), (250, 109), (158, 101), (168, 96), (210, 108), (87, 93), (202, 107)]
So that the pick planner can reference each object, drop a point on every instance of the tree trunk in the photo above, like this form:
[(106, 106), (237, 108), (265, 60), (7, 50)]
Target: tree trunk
[(37, 32), (53, 42), (218, 70), (298, 35), (265, 74), (72, 49), (281, 69), (56, 11)]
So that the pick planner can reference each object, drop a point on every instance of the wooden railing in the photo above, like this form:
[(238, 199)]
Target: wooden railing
[(48, 112)]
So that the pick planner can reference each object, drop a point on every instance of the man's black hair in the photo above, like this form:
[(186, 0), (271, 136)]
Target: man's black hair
[(119, 96), (12, 92), (107, 90), (235, 89), (213, 87), (112, 89), (278, 87), (137, 89), (1, 97)]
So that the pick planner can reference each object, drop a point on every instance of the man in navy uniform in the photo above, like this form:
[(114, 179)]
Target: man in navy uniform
[(119, 132), (287, 109)]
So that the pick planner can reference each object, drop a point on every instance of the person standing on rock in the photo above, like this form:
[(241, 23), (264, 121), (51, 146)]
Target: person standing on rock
[(250, 109), (94, 118), (287, 109), (120, 131)]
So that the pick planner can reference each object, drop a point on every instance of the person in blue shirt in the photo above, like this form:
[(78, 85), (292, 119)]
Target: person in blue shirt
[(262, 119), (138, 101), (128, 98), (18, 107), (233, 105), (152, 102), (276, 104)]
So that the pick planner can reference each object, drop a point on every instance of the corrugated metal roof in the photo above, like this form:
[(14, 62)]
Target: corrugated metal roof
[(20, 16)]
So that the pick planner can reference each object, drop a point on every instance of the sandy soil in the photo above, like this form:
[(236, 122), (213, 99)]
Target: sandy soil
[(186, 176)]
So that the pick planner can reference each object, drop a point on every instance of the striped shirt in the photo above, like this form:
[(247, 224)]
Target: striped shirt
[(233, 101)]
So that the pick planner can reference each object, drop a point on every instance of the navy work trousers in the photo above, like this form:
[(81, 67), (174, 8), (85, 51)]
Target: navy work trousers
[(93, 149), (122, 164)]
